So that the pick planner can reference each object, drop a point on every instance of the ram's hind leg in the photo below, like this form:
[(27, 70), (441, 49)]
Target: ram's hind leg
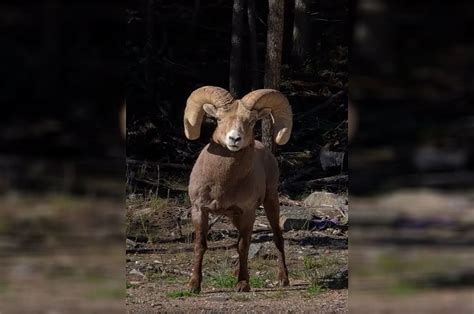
[(200, 222), (272, 210)]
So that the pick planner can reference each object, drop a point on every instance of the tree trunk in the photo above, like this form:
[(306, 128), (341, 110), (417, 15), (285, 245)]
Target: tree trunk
[(273, 60), (301, 33), (235, 78), (149, 77), (251, 17)]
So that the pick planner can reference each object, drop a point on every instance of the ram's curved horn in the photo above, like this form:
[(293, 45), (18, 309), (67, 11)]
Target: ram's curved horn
[(280, 107), (194, 113)]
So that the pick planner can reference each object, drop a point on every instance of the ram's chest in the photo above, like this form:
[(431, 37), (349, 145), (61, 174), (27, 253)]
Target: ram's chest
[(242, 192), (223, 184), (236, 195)]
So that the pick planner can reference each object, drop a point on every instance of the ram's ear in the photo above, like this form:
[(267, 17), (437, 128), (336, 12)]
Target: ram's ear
[(210, 110), (262, 113)]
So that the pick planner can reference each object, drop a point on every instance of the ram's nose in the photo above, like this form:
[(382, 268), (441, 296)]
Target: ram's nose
[(235, 139)]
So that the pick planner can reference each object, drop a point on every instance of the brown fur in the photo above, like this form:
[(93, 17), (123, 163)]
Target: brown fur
[(234, 184)]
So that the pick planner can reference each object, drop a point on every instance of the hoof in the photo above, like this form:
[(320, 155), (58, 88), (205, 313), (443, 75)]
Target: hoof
[(242, 286), (194, 286), (283, 280)]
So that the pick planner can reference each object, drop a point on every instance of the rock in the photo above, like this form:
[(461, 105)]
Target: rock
[(293, 223), (330, 159), (326, 199), (254, 249), (340, 280), (150, 267), (295, 212), (262, 237), (135, 283), (137, 273), (130, 244)]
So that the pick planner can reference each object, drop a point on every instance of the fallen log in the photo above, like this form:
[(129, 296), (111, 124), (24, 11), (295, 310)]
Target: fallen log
[(179, 250), (333, 180)]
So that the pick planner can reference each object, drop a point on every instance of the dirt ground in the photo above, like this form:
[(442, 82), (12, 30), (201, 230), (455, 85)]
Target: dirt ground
[(411, 252), (429, 302), (164, 288), (158, 271), (61, 254), (261, 301)]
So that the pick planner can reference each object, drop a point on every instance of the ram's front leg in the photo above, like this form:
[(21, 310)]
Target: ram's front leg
[(200, 222), (244, 224)]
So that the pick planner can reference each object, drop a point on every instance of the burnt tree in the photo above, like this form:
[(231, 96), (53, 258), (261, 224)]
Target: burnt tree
[(273, 56), (149, 52), (301, 33), (251, 17), (235, 77)]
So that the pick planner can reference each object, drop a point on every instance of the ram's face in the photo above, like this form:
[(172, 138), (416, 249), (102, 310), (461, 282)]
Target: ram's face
[(235, 125)]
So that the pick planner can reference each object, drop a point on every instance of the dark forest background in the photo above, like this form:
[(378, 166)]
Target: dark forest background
[(68, 65), (174, 47), (412, 82), (63, 83)]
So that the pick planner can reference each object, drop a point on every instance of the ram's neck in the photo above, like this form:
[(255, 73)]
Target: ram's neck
[(231, 164)]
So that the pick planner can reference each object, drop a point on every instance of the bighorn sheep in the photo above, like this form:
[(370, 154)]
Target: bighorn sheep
[(234, 173)]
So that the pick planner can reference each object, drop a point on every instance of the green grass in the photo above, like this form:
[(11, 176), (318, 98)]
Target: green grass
[(257, 282), (322, 263), (157, 203), (296, 274), (315, 289), (223, 281), (179, 294), (168, 279), (318, 270), (309, 262), (279, 294)]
